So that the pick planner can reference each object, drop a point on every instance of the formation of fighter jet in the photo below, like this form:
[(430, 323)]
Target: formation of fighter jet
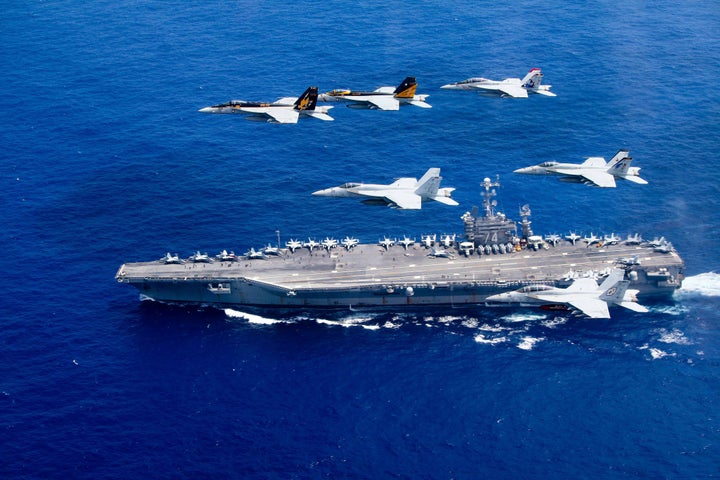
[(404, 193), (509, 87), (284, 110), (593, 171), (383, 98), (583, 294)]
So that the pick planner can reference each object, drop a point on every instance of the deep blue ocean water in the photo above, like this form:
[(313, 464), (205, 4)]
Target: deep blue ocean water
[(105, 160)]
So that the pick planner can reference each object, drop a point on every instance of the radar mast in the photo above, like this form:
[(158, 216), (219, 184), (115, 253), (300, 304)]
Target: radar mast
[(488, 194)]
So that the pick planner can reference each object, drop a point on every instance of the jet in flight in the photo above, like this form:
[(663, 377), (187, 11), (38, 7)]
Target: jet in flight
[(583, 295), (404, 193), (593, 171), (383, 98), (284, 110), (510, 87)]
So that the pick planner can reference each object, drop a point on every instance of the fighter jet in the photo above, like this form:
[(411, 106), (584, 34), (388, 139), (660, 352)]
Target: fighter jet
[(350, 243), (404, 193), (284, 110), (509, 87), (293, 244), (383, 98), (583, 295), (593, 171)]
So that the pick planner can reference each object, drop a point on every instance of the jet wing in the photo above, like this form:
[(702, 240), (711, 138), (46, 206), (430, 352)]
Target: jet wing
[(279, 115), (404, 200), (594, 162), (320, 116), (582, 285), (383, 102), (445, 200), (389, 90), (600, 179), (419, 103), (515, 91), (634, 179), (634, 306), (285, 101), (592, 307)]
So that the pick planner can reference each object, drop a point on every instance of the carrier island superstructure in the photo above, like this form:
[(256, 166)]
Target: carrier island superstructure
[(492, 256)]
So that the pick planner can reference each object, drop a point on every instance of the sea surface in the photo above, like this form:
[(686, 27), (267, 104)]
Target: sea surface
[(105, 160)]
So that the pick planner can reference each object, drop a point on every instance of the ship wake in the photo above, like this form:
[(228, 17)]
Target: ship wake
[(702, 285)]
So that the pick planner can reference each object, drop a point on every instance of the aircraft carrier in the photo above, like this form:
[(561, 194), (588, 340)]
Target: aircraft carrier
[(493, 255)]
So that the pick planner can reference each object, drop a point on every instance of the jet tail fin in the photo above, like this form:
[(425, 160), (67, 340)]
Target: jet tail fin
[(428, 185), (616, 292), (619, 156), (533, 79), (406, 89), (307, 100), (619, 294), (619, 166), (615, 276)]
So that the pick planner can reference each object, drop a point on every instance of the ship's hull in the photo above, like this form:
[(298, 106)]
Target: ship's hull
[(370, 276)]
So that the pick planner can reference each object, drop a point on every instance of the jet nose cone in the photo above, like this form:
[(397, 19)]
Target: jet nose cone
[(206, 110), (525, 170), (321, 193), (448, 86)]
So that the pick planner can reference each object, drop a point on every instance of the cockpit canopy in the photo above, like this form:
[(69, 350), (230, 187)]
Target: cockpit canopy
[(536, 288), (473, 80), (350, 185)]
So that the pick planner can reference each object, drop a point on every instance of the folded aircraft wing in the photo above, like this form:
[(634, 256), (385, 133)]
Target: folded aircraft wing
[(404, 200)]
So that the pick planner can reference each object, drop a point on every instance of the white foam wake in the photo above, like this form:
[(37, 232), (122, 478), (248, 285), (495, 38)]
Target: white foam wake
[(251, 318), (528, 343), (704, 284)]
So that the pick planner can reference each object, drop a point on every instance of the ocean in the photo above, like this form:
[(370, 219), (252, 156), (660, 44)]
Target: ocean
[(106, 160)]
